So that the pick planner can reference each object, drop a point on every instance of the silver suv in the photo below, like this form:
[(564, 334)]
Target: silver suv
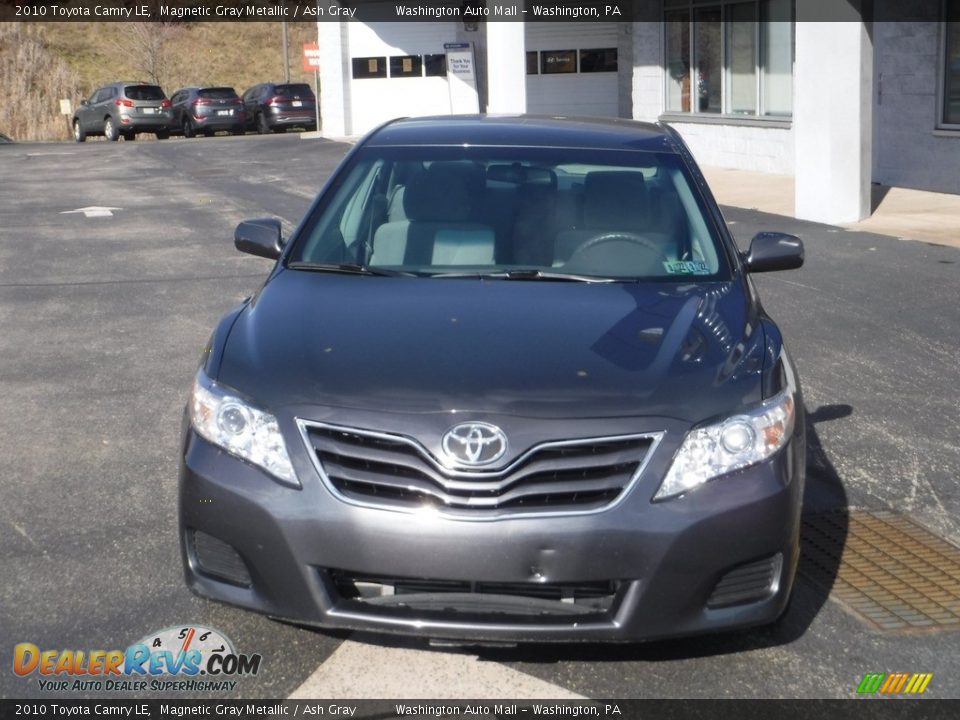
[(123, 109)]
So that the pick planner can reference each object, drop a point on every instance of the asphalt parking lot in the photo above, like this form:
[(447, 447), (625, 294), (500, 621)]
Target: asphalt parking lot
[(102, 319)]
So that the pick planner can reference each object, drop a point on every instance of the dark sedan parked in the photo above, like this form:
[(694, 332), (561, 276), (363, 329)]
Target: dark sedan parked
[(123, 109), (274, 107), (204, 111), (509, 380)]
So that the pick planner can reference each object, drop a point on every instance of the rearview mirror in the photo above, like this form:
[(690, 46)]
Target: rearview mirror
[(774, 251), (261, 237)]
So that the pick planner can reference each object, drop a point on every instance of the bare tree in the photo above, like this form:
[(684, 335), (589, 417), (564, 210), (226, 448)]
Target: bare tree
[(148, 44)]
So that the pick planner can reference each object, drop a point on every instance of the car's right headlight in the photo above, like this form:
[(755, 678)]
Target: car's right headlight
[(239, 428), (737, 442)]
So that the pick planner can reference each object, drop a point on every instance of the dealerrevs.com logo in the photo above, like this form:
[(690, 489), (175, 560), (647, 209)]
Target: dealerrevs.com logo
[(187, 658)]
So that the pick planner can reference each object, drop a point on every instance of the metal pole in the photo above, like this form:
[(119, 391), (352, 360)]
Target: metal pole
[(286, 55), (316, 94)]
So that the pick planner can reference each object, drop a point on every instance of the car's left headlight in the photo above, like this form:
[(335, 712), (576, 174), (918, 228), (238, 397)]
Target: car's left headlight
[(239, 428), (737, 442)]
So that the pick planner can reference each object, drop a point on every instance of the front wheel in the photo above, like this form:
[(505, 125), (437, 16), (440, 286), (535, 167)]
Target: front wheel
[(110, 130), (187, 128), (263, 127), (128, 137), (78, 134)]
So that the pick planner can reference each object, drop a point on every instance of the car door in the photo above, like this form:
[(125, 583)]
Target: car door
[(85, 112), (101, 108), (250, 103)]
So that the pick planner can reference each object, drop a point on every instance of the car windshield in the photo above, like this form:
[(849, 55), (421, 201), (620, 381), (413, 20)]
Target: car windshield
[(514, 213), (143, 92)]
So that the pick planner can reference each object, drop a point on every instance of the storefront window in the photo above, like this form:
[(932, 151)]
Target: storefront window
[(951, 66), (732, 57)]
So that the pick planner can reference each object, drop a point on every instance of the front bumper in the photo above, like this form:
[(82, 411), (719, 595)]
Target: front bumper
[(664, 559)]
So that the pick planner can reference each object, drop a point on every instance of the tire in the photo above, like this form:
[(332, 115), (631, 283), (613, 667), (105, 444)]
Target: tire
[(78, 134), (163, 134), (187, 128), (110, 130), (263, 127), (129, 137)]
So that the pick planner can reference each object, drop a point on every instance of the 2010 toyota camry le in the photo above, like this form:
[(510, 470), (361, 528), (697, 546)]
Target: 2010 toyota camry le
[(509, 380)]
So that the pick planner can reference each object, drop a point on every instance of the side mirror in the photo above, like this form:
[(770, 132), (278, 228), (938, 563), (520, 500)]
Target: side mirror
[(261, 237), (84, 103), (774, 251)]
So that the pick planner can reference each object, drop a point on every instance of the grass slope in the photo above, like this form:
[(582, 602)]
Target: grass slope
[(40, 63)]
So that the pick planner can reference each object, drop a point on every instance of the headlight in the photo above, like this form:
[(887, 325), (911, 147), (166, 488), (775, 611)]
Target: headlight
[(242, 430), (737, 442)]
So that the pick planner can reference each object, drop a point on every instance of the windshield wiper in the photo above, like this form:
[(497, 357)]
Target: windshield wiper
[(351, 268), (525, 274)]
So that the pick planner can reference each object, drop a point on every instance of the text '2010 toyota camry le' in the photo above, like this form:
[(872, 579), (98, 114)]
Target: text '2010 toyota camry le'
[(509, 380)]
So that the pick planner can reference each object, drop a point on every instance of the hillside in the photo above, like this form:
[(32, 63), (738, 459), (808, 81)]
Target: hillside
[(40, 63)]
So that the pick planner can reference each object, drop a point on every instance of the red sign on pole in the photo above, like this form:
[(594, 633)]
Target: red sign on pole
[(311, 57)]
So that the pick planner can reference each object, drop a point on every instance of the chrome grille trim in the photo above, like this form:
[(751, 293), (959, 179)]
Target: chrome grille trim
[(456, 479)]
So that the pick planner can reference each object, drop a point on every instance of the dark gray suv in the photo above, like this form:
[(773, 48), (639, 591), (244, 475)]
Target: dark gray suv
[(123, 109), (274, 107)]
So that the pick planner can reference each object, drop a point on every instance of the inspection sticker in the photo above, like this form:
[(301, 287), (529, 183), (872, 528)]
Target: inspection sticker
[(686, 267)]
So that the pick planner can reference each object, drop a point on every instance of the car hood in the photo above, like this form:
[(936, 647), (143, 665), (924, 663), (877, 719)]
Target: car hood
[(506, 347)]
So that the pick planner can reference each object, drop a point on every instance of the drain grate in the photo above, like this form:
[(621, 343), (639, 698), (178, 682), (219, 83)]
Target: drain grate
[(886, 569)]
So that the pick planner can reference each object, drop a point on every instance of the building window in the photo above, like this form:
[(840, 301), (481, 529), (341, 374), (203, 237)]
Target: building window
[(950, 116), (406, 66), (553, 62), (533, 62), (729, 57), (369, 67), (602, 60), (435, 65)]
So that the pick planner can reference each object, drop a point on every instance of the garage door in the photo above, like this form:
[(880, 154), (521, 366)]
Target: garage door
[(397, 70), (572, 68)]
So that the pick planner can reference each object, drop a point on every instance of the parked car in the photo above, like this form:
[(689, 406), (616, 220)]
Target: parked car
[(509, 380), (123, 109), (205, 110), (274, 107)]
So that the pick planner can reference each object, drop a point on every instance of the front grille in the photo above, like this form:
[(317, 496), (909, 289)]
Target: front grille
[(747, 583), (396, 472), (395, 594)]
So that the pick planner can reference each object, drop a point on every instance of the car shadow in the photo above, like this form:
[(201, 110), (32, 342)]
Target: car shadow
[(824, 492)]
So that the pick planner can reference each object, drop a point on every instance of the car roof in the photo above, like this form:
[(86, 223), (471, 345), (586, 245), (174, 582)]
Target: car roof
[(525, 131)]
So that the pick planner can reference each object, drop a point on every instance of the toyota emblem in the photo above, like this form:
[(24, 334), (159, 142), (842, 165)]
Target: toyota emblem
[(474, 443)]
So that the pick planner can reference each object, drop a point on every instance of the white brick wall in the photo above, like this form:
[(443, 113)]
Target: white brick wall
[(768, 150)]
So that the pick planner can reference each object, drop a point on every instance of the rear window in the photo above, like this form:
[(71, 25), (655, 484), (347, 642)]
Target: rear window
[(143, 92), (294, 89), (219, 93)]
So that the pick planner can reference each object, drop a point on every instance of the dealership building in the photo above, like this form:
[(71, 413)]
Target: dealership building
[(763, 85)]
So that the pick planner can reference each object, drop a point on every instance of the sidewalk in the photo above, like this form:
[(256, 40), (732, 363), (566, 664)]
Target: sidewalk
[(901, 212)]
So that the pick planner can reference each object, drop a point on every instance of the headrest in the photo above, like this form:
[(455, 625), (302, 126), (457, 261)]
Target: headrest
[(444, 192), (614, 200)]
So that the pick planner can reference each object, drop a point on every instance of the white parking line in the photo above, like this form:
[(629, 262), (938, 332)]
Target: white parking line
[(362, 670)]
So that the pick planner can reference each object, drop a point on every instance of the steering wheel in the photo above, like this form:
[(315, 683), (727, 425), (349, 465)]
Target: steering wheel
[(620, 236)]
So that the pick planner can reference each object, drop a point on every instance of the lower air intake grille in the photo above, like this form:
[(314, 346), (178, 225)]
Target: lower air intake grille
[(475, 598), (394, 471), (747, 583), (217, 558)]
